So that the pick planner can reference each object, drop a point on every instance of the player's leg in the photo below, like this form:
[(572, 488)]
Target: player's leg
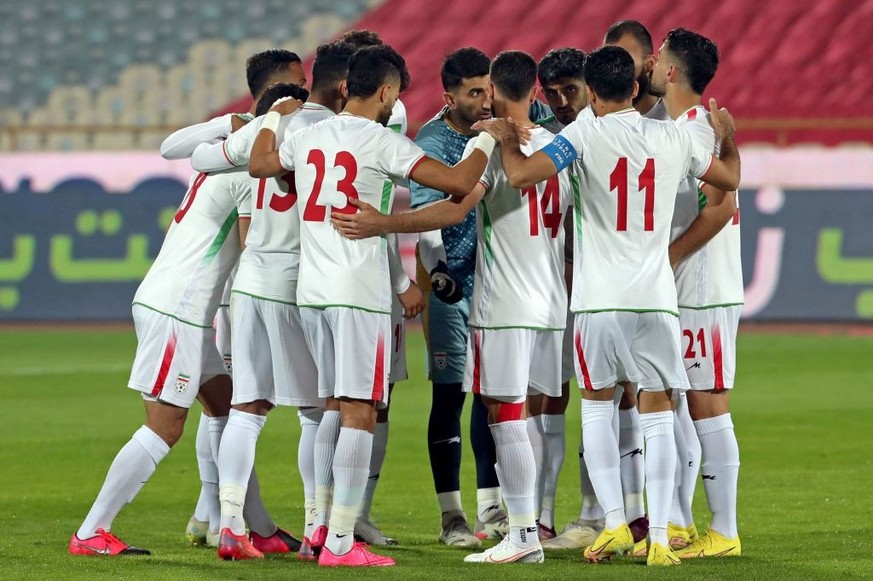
[(167, 370), (656, 352), (681, 529), (533, 411), (320, 344), (633, 476), (500, 370), (708, 403), (602, 360), (554, 423), (447, 352), (365, 529), (361, 386), (207, 511)]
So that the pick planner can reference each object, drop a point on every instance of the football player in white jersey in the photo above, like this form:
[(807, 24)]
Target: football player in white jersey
[(562, 77), (634, 37), (344, 291), (519, 305), (263, 69), (626, 327), (272, 367), (705, 252)]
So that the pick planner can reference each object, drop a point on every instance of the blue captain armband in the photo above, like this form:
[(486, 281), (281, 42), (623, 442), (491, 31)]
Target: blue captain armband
[(561, 152)]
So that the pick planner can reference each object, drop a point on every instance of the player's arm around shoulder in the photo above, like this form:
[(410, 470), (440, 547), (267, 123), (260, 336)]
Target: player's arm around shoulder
[(521, 170)]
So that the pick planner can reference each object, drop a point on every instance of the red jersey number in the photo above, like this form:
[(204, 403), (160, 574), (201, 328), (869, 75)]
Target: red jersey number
[(316, 212)]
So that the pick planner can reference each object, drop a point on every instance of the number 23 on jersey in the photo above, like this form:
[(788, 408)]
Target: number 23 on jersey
[(344, 161)]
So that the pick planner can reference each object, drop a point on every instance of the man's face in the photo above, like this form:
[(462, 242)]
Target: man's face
[(566, 97), (390, 92), (658, 86), (470, 100), (294, 74), (643, 63)]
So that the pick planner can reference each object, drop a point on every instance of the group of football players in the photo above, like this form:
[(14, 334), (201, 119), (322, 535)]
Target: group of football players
[(596, 234)]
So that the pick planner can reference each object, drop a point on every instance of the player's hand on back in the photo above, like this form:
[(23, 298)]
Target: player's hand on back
[(412, 301), (366, 222), (443, 284), (721, 120), (503, 129), (237, 122), (286, 106)]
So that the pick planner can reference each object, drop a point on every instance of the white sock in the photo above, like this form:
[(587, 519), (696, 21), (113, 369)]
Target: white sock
[(591, 509), (721, 467), (486, 500), (555, 439), (660, 470), (215, 427), (601, 457), (380, 447), (206, 467), (516, 470), (538, 446), (309, 420), (689, 457), (236, 458), (131, 468), (351, 465), (450, 502), (325, 447), (632, 466)]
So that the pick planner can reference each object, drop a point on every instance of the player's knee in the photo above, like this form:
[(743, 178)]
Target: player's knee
[(505, 411)]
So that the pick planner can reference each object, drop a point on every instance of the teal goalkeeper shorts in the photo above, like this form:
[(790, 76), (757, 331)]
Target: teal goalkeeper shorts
[(447, 327)]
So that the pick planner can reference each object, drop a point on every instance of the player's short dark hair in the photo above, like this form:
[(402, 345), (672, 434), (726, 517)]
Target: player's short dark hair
[(697, 56), (562, 63), (514, 74), (609, 72), (362, 38), (634, 28), (370, 67), (464, 63), (275, 92), (263, 65), (331, 65)]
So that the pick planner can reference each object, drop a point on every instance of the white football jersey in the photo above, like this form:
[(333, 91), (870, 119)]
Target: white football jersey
[(268, 267), (629, 170), (341, 157), (712, 276), (398, 121), (199, 251), (658, 112), (519, 279)]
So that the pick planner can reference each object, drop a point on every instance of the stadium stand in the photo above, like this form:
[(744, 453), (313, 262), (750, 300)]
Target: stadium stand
[(792, 71), (73, 66), (109, 75)]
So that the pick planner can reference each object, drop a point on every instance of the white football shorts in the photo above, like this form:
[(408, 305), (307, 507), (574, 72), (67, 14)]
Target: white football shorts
[(270, 354), (222, 336), (398, 371), (173, 359), (614, 346), (509, 364), (351, 349), (709, 346)]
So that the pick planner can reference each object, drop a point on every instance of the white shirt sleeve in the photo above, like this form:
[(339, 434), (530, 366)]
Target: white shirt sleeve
[(241, 192), (182, 143), (399, 279), (431, 249), (494, 164), (398, 154), (699, 155)]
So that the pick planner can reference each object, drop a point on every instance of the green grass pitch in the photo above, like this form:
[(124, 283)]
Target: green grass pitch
[(802, 411)]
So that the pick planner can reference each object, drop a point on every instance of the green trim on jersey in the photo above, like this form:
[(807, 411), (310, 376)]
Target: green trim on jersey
[(577, 203), (221, 236), (396, 127), (237, 292), (486, 227), (151, 308), (545, 120), (706, 307), (701, 199), (385, 202), (505, 327), (638, 311), (356, 307)]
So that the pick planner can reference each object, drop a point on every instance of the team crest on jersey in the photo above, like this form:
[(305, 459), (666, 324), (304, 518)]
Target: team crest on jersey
[(440, 359), (227, 364), (182, 383)]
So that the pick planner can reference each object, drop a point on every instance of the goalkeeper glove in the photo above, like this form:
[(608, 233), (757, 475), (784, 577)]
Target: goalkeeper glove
[(445, 288)]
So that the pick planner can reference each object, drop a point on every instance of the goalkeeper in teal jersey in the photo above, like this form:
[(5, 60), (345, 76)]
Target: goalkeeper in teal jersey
[(449, 258)]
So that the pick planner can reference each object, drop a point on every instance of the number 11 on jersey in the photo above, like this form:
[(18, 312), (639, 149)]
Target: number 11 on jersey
[(618, 181)]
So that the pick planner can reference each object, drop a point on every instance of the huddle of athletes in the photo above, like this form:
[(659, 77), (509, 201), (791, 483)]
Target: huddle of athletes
[(639, 182)]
